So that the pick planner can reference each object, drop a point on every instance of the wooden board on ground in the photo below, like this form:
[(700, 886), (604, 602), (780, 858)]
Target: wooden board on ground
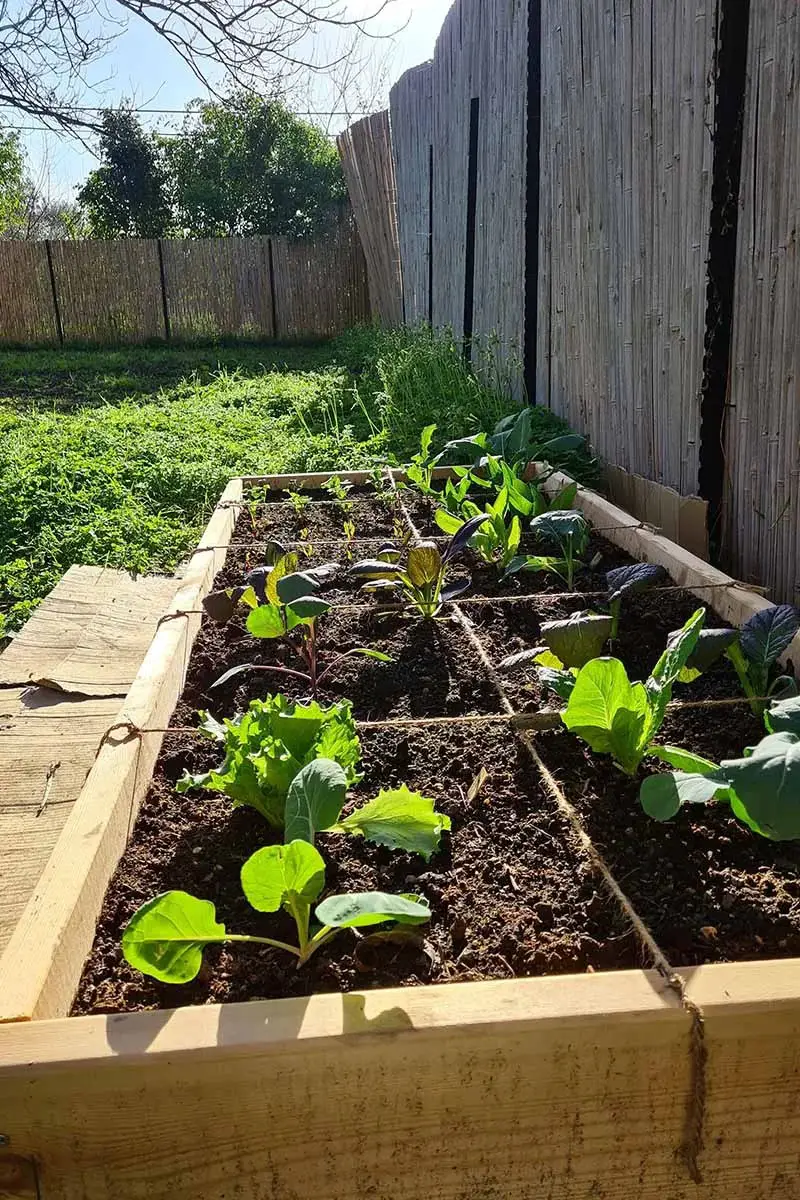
[(38, 729), (88, 638)]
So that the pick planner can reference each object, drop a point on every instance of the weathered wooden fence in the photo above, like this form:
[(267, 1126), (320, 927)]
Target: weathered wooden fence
[(567, 184), (144, 290)]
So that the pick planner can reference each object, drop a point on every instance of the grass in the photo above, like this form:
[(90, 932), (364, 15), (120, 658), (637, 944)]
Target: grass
[(116, 457)]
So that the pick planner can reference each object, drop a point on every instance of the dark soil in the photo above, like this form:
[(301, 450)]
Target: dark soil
[(510, 893)]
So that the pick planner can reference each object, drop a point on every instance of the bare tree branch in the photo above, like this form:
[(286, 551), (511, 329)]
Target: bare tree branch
[(46, 46)]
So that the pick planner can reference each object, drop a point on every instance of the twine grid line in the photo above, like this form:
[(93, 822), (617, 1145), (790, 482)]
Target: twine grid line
[(694, 1123)]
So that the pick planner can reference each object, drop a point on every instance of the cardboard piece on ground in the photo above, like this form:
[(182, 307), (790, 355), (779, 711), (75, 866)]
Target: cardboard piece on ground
[(682, 519), (88, 638)]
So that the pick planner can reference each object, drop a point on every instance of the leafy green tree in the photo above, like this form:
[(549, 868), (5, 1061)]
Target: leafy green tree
[(12, 183), (250, 166), (128, 195)]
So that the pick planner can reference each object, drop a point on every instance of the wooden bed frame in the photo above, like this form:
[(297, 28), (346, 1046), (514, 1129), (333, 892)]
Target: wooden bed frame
[(566, 1088)]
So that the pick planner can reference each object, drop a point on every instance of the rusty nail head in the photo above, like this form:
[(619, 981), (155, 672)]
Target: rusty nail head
[(4, 1140)]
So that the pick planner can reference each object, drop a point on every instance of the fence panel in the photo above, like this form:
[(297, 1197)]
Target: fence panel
[(218, 287), (320, 288), (762, 434), (109, 291), (410, 104), (27, 312), (626, 174), (366, 153), (500, 226)]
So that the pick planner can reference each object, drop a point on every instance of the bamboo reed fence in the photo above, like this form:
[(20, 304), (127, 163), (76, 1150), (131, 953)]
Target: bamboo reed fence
[(762, 427), (567, 175), (366, 152), (142, 290)]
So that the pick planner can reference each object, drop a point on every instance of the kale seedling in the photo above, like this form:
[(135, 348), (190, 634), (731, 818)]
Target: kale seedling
[(420, 469), (617, 717), (625, 581), (338, 489), (285, 605), (165, 938), (753, 650), (422, 581)]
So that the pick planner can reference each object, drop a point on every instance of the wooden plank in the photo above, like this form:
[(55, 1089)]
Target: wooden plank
[(42, 962), (559, 1089), (731, 600), (683, 519), (40, 728), (88, 637)]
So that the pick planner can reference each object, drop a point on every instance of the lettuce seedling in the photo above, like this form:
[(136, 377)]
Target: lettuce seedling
[(422, 581), (287, 606), (165, 938), (625, 581), (497, 540), (267, 747), (753, 650), (762, 787), (617, 717)]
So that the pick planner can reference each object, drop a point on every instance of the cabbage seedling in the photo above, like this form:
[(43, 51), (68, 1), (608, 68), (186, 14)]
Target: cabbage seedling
[(566, 646), (422, 581), (762, 787), (166, 937), (617, 717), (569, 530)]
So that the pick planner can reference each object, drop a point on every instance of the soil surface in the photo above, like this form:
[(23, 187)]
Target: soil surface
[(510, 892)]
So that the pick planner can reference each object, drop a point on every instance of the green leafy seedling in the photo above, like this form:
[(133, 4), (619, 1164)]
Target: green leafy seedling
[(166, 937), (617, 717)]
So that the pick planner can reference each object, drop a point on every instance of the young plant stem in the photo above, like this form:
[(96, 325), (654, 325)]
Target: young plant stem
[(739, 661), (615, 608), (246, 937)]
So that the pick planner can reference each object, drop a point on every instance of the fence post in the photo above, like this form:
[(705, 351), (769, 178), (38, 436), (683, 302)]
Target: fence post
[(469, 247), (272, 294), (534, 148), (56, 308), (162, 273)]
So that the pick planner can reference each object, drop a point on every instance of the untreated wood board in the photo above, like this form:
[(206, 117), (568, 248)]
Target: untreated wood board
[(42, 962), (89, 636), (683, 519), (572, 1088), (39, 729)]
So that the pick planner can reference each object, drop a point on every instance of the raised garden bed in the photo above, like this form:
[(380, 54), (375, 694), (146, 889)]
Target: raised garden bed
[(532, 1048)]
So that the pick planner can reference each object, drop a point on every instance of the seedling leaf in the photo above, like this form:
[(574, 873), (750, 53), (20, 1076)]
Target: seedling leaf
[(273, 873), (371, 908), (400, 819), (768, 633), (315, 799), (662, 796), (166, 936)]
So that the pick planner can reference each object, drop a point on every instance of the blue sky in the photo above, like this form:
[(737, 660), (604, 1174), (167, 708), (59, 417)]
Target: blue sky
[(141, 67)]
